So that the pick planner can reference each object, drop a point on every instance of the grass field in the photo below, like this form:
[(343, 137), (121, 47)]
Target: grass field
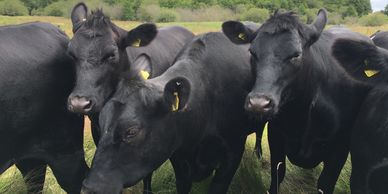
[(253, 175)]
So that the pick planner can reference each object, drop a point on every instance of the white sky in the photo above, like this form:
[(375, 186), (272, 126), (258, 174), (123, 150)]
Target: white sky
[(378, 5)]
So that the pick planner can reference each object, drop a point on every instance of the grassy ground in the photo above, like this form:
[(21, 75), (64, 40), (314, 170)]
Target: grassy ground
[(253, 175)]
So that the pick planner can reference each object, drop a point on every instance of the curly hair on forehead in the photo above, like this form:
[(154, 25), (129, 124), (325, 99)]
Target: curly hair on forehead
[(97, 19), (96, 24), (282, 21)]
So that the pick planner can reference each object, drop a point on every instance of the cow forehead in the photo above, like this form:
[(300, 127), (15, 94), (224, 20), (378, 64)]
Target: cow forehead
[(284, 40)]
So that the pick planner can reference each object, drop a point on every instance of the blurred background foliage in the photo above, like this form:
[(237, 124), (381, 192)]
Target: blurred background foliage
[(341, 11)]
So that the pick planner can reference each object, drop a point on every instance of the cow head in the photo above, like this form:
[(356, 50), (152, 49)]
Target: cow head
[(364, 55), (277, 50), (139, 132), (98, 48)]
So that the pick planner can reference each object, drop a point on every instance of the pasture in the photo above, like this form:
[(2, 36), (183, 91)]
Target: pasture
[(253, 175)]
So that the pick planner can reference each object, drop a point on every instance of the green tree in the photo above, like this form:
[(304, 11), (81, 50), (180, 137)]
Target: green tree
[(12, 8), (130, 8), (386, 10), (36, 4), (362, 7), (175, 3), (314, 4), (350, 11), (232, 4), (255, 15)]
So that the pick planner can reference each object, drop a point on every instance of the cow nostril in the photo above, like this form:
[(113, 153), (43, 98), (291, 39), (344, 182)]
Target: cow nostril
[(86, 189), (88, 105), (80, 104), (260, 104)]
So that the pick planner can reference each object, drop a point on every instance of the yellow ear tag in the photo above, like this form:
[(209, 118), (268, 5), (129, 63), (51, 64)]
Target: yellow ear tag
[(242, 36), (136, 43), (175, 106), (144, 74), (370, 73)]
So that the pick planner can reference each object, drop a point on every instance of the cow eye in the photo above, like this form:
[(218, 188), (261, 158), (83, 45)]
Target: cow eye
[(109, 56), (294, 58), (130, 134)]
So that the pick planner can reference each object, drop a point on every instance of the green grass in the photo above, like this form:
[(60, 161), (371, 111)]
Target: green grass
[(252, 177)]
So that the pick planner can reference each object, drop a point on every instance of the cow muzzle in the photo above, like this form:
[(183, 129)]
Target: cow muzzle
[(101, 188), (78, 104), (260, 104)]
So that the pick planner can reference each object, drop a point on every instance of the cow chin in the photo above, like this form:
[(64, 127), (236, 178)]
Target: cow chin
[(92, 185), (110, 188)]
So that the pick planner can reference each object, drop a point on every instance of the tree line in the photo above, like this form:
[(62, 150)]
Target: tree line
[(191, 10)]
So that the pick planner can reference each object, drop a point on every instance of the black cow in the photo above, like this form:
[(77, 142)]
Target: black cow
[(192, 114), (103, 51), (380, 39), (369, 141), (311, 101), (36, 128)]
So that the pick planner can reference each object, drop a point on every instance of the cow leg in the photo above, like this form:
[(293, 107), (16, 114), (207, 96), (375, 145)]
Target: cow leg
[(182, 172), (70, 170), (224, 174), (258, 148), (66, 154), (34, 173), (358, 179), (95, 127), (331, 170), (147, 184), (278, 158)]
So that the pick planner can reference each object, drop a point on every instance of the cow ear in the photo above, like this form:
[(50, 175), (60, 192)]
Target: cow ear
[(237, 32), (315, 29), (141, 68), (78, 14), (141, 35), (108, 114), (177, 93), (374, 34), (352, 54)]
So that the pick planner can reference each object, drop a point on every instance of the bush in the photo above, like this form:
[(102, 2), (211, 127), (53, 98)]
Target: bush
[(149, 13), (175, 3), (242, 8), (255, 15), (167, 15), (12, 8), (374, 19), (310, 15), (213, 13), (130, 8), (350, 12), (351, 20), (55, 9), (335, 19)]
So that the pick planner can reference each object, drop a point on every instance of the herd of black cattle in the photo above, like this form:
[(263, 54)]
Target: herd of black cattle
[(158, 94)]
